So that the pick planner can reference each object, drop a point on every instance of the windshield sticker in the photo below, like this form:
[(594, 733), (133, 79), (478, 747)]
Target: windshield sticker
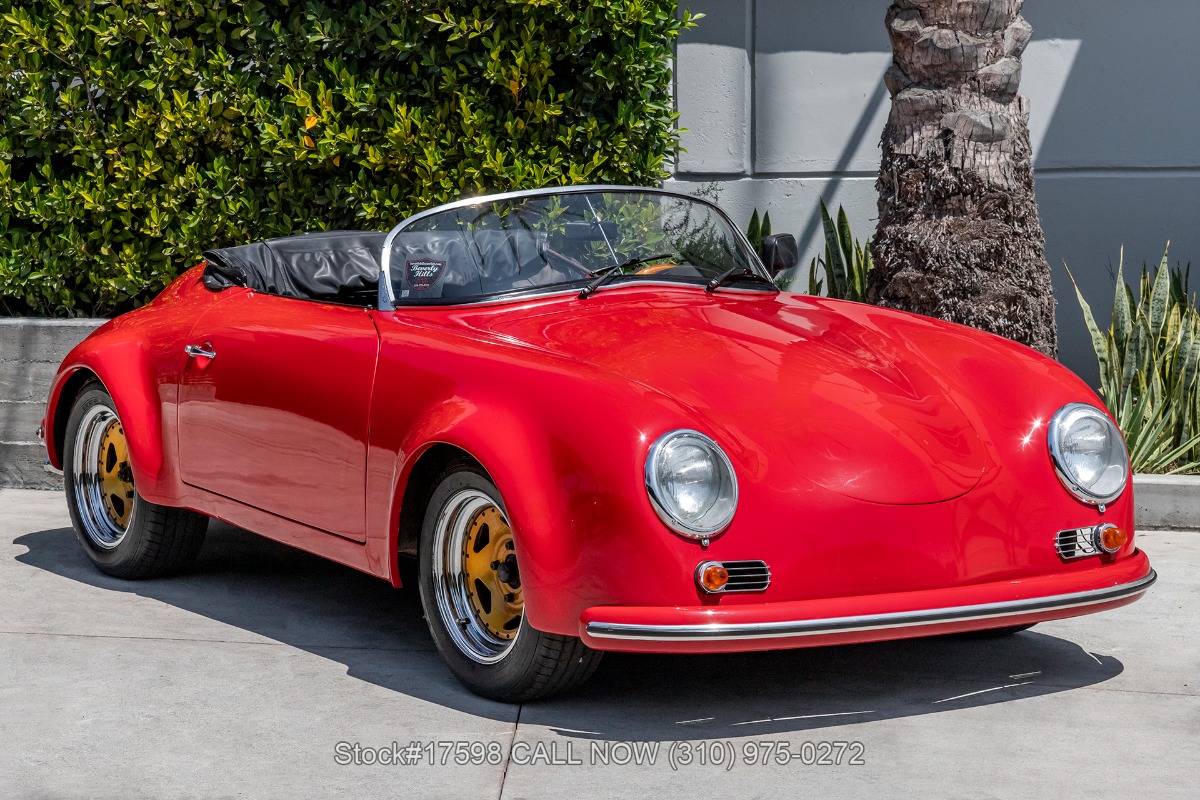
[(424, 273)]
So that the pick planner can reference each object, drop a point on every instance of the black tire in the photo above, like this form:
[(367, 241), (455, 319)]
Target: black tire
[(153, 540), (993, 633), (534, 664)]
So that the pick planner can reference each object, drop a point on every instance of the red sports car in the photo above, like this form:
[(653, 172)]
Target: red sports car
[(595, 422)]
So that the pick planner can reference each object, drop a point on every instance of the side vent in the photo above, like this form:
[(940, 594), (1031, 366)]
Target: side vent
[(1076, 543), (747, 576)]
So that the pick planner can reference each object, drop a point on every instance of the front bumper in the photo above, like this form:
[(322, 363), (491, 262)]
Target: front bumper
[(847, 620)]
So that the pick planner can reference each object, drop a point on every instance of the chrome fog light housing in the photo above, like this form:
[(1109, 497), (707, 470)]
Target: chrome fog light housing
[(1088, 453), (691, 484)]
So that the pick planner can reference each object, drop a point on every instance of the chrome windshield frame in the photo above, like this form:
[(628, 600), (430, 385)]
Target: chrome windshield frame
[(387, 299)]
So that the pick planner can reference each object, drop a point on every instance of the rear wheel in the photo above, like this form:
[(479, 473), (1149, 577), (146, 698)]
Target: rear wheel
[(123, 534), (470, 585)]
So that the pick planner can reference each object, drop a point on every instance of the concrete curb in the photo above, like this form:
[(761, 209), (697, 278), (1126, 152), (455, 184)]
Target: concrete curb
[(41, 340), (30, 352), (1167, 501)]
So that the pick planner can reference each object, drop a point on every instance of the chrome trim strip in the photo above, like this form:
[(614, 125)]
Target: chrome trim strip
[(867, 622), (387, 299)]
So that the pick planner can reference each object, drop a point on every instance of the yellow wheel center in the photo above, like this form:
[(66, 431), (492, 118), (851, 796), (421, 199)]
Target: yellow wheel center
[(116, 478), (490, 568)]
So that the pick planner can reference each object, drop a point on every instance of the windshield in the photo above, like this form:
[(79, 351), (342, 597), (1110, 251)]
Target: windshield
[(560, 239)]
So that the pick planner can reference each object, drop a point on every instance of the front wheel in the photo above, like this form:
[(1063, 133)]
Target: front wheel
[(470, 585), (122, 533)]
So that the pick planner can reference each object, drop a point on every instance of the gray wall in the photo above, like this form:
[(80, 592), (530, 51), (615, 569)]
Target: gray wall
[(30, 352), (783, 103)]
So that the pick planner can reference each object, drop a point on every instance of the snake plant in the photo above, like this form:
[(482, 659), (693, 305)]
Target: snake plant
[(846, 262), (1149, 359)]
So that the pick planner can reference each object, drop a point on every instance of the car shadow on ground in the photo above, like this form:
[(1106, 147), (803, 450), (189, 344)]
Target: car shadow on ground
[(378, 633)]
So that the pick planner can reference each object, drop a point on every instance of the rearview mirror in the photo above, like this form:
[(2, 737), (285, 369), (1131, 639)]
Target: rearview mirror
[(779, 252), (591, 231)]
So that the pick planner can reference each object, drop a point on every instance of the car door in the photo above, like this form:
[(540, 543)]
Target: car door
[(273, 407)]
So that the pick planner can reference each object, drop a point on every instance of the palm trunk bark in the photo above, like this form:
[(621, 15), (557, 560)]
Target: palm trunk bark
[(959, 236)]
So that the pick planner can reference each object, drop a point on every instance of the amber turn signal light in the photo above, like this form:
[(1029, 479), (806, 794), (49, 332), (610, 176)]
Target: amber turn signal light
[(711, 577), (1110, 538)]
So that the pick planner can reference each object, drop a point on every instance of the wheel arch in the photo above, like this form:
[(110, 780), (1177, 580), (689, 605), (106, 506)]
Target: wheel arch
[(572, 479), (60, 411), (418, 488), (550, 491), (419, 480), (121, 370)]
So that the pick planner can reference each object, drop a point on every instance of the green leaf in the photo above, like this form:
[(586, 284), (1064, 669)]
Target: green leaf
[(1160, 297), (196, 140), (1099, 342), (754, 232), (1122, 311), (835, 265)]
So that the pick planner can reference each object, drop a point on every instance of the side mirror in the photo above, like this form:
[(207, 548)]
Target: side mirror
[(779, 252), (591, 231)]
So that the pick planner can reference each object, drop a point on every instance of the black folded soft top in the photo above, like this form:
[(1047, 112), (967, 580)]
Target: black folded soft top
[(329, 265), (344, 266)]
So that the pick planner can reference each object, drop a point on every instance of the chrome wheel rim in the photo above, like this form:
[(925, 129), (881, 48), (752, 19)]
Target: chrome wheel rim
[(103, 481), (476, 582)]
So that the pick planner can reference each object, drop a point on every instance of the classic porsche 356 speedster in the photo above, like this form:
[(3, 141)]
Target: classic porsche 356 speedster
[(594, 421)]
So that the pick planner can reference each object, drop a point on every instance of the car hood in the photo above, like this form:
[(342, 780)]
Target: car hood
[(834, 392)]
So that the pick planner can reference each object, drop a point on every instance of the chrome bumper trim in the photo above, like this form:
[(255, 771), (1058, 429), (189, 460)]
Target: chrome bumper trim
[(867, 622)]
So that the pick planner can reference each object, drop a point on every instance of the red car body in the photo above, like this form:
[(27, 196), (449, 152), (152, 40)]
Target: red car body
[(893, 469)]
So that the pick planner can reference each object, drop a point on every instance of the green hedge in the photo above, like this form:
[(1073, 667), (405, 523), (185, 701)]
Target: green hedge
[(135, 134)]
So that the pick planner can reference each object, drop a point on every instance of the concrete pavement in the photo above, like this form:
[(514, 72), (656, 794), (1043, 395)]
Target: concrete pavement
[(240, 680)]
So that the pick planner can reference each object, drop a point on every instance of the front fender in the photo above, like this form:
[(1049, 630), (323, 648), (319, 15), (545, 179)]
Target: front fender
[(564, 443)]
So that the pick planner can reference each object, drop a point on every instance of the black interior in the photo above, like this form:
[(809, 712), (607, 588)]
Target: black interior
[(334, 266), (432, 265)]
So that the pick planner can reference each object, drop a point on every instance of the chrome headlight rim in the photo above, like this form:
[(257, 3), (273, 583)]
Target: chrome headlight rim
[(1080, 492), (656, 492)]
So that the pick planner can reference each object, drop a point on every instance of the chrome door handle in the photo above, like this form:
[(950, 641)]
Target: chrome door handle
[(195, 351)]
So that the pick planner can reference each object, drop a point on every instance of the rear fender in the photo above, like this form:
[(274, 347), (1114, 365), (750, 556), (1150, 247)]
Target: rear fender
[(137, 359), (122, 368)]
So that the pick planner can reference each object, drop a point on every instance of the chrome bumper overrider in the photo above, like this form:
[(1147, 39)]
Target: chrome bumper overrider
[(867, 622)]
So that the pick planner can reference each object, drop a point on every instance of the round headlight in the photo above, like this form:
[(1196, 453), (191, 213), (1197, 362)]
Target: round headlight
[(691, 484), (1089, 453)]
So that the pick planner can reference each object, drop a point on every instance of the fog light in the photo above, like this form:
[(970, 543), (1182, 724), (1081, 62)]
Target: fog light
[(1110, 538), (711, 577)]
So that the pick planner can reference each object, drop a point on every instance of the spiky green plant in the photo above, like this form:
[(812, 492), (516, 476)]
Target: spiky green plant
[(756, 231), (845, 263), (1149, 359)]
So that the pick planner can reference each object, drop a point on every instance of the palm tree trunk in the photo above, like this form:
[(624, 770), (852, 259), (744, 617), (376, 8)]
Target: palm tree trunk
[(959, 236)]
